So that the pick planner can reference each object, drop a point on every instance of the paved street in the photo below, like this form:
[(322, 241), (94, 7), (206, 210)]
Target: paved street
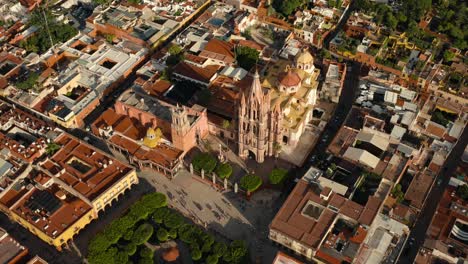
[(231, 216), (418, 232)]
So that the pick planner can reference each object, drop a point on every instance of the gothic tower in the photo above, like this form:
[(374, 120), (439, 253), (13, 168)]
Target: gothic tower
[(253, 125)]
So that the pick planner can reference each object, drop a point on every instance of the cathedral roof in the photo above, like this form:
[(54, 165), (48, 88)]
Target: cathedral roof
[(289, 78), (304, 57)]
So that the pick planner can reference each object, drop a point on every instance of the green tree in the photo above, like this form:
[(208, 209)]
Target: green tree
[(130, 249), (142, 234), (277, 176), (397, 193), (448, 56), (173, 220), (236, 252), (196, 254), (246, 57), (204, 161), (52, 148), (211, 259), (250, 182), (176, 55), (219, 249), (162, 234), (223, 170), (146, 252)]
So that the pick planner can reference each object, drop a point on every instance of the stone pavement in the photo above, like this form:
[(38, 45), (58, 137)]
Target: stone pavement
[(228, 214)]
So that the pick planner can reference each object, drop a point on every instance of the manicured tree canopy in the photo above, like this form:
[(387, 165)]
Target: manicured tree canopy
[(173, 220), (212, 259), (146, 253), (204, 161), (196, 254), (142, 234), (277, 175), (130, 249), (246, 57), (162, 234), (219, 249), (223, 170), (251, 182), (236, 252), (160, 214)]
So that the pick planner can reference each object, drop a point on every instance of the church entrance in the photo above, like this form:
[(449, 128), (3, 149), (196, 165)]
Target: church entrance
[(285, 139), (251, 155)]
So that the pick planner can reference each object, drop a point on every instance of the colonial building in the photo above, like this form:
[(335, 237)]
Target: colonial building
[(275, 113)]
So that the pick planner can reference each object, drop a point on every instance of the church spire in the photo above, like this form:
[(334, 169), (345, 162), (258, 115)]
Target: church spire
[(256, 91)]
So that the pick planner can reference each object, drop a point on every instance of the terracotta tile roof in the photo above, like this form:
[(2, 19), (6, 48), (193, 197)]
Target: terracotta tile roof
[(251, 44), (435, 129), (69, 210), (195, 58), (352, 209), (157, 88), (370, 210), (289, 78), (102, 170), (291, 222), (196, 73), (219, 50), (418, 189), (127, 135)]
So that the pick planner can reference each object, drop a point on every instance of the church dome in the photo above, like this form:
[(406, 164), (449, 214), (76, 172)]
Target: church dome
[(304, 57), (289, 78), (152, 137)]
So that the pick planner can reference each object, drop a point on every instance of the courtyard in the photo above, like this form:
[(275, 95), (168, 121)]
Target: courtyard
[(226, 214)]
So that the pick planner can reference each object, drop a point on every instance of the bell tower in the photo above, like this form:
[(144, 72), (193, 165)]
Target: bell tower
[(180, 122)]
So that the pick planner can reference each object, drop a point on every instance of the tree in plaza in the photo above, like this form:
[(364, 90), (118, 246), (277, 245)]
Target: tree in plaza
[(142, 234), (146, 252), (246, 57), (204, 161), (160, 214), (207, 241), (211, 259), (236, 252), (121, 257), (162, 234), (196, 254), (277, 176), (173, 220), (172, 233), (219, 249), (130, 249), (250, 182), (223, 170)]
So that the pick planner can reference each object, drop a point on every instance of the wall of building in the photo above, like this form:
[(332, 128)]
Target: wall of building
[(118, 188), (66, 235)]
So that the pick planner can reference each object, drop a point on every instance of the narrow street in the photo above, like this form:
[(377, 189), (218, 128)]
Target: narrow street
[(418, 232)]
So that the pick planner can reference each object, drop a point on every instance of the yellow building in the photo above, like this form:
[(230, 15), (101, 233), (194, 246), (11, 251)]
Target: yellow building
[(68, 191)]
